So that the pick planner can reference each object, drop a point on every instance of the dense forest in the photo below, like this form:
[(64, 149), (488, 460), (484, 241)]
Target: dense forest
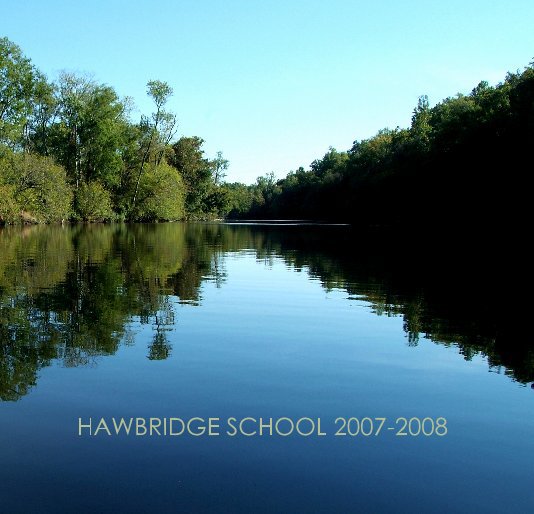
[(70, 151), (455, 167)]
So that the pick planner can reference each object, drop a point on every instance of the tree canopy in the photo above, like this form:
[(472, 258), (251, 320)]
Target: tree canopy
[(78, 134), (452, 167)]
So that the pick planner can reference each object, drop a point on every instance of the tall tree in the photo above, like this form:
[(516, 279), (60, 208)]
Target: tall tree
[(188, 158), (17, 84), (159, 129), (73, 97), (91, 130), (421, 127), (220, 165), (44, 113)]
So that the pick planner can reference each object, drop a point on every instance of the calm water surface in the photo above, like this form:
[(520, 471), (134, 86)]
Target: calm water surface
[(207, 320)]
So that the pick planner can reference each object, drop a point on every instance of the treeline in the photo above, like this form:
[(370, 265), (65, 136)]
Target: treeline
[(454, 167), (69, 151)]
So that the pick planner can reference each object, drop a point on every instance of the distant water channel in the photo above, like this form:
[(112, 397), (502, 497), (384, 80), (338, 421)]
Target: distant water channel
[(263, 367)]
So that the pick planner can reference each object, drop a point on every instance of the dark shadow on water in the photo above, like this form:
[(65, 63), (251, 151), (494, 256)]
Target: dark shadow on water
[(68, 294)]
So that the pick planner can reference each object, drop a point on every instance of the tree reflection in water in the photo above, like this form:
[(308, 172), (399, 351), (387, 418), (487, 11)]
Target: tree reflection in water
[(70, 294)]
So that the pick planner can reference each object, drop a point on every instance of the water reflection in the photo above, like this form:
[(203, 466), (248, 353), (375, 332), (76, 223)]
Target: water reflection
[(70, 294)]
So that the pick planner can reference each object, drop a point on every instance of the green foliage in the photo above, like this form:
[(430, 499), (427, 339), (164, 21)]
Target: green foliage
[(239, 200), (216, 202), (90, 133), (44, 110), (161, 194), (452, 154), (219, 166), (188, 158), (93, 202), (9, 207), (102, 137), (17, 84), (116, 169), (370, 158), (445, 172), (421, 128), (330, 166), (156, 133), (160, 92), (39, 187)]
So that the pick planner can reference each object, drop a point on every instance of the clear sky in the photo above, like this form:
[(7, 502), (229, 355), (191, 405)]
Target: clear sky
[(273, 84)]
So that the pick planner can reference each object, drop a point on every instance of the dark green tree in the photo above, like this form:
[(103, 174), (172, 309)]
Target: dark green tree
[(188, 158)]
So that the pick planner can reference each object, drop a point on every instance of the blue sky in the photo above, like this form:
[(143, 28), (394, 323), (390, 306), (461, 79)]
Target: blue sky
[(273, 84)]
